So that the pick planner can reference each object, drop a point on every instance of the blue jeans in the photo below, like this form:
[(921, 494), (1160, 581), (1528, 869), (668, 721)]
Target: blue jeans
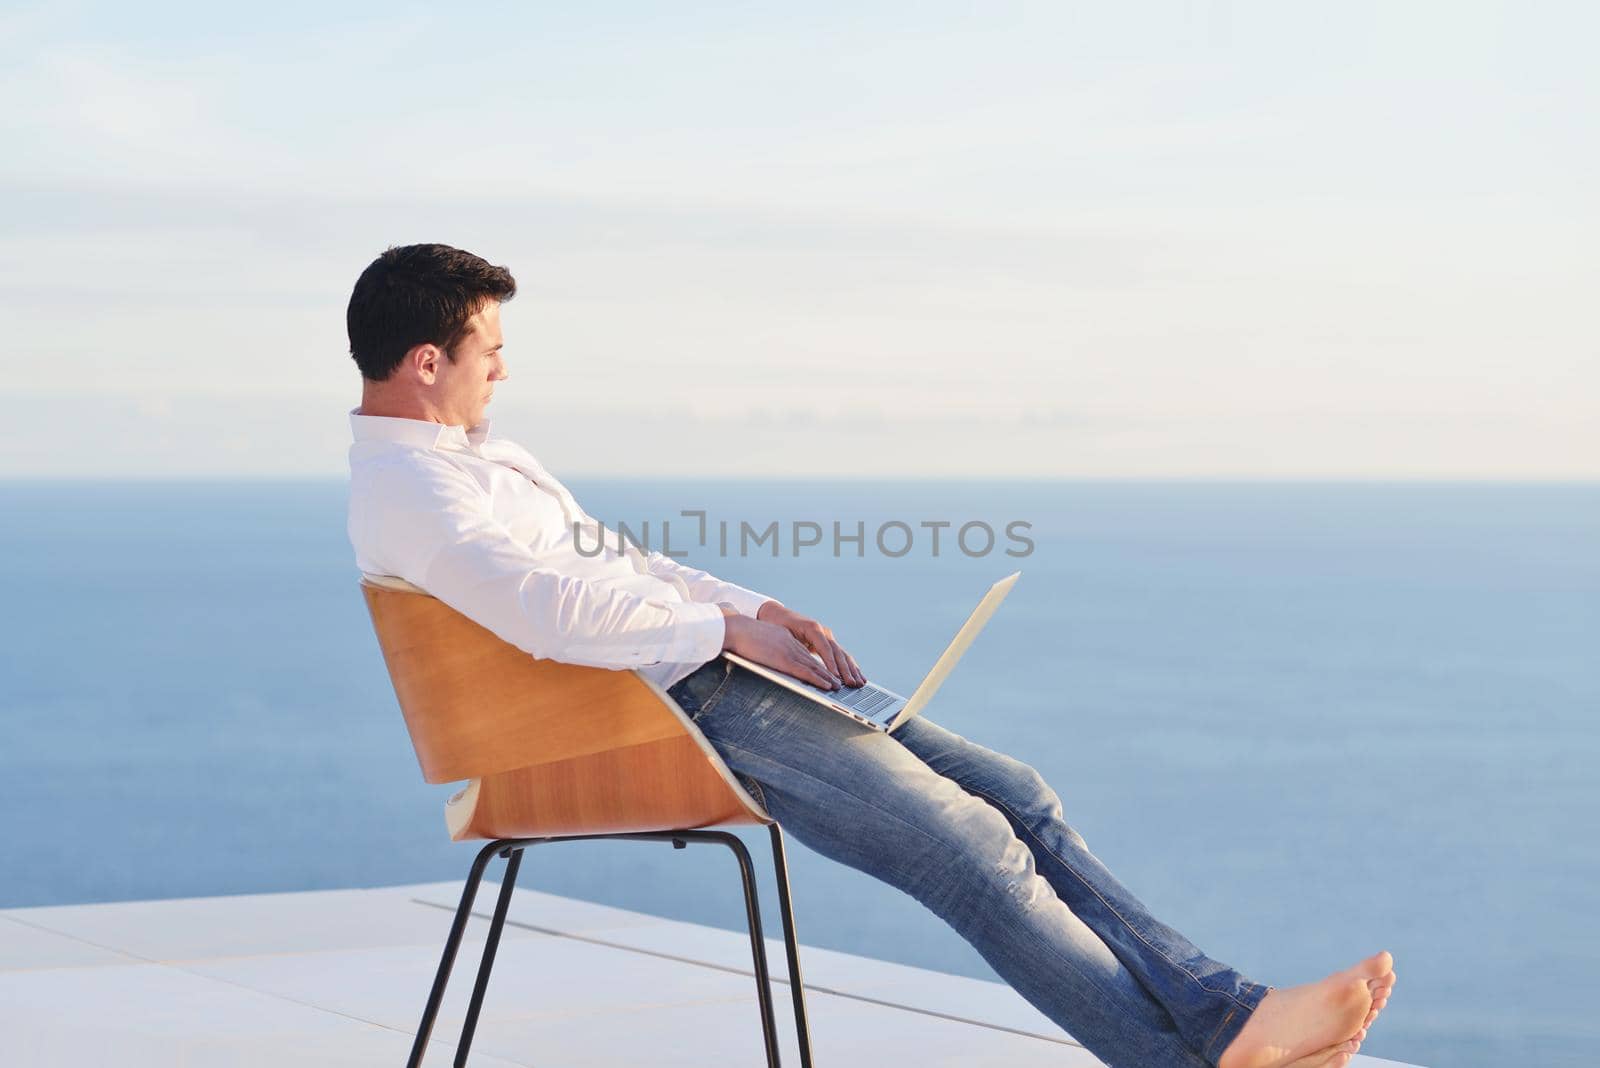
[(979, 839)]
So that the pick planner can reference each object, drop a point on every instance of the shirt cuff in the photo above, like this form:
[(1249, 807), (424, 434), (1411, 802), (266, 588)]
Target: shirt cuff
[(697, 634), (748, 602)]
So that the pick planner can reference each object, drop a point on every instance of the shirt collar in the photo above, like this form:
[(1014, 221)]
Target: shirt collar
[(418, 432)]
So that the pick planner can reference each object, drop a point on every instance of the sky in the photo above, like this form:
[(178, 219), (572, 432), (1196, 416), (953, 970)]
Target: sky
[(1152, 240)]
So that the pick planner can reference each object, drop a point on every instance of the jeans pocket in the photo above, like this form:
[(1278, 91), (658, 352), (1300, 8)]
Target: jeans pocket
[(700, 692), (755, 791)]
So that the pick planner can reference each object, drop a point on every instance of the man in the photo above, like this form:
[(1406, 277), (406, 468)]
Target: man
[(974, 835)]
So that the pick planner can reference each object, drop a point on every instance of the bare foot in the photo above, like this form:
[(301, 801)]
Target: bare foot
[(1299, 1022), (1332, 1057), (1380, 988)]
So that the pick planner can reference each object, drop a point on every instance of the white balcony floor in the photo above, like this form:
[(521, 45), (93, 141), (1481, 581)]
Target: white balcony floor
[(339, 978)]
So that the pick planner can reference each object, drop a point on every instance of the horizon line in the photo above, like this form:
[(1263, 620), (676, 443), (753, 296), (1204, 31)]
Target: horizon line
[(1230, 479)]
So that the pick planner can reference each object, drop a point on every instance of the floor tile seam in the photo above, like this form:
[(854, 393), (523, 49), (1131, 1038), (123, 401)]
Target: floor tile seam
[(811, 988), (312, 952), (139, 960), (379, 1024), (133, 958)]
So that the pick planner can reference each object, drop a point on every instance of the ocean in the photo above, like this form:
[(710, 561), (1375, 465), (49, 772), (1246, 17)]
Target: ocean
[(1302, 721)]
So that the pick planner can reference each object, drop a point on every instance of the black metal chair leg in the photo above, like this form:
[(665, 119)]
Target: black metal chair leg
[(508, 880), (758, 944), (447, 961), (512, 848), (791, 945)]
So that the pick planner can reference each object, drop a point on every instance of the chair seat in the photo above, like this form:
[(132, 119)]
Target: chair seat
[(552, 803), (550, 749)]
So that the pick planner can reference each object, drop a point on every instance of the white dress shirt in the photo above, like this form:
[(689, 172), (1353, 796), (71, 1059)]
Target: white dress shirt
[(480, 524)]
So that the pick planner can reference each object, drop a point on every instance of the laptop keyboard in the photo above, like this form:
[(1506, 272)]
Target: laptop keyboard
[(865, 700)]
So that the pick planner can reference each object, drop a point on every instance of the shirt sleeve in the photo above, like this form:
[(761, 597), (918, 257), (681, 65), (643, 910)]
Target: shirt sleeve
[(433, 528), (704, 588), (707, 588)]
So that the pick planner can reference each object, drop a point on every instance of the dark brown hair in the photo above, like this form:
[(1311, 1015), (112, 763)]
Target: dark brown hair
[(417, 295)]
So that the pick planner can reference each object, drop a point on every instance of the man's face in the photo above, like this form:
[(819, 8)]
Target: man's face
[(462, 388)]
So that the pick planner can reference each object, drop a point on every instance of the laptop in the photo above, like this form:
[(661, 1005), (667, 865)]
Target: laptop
[(882, 709)]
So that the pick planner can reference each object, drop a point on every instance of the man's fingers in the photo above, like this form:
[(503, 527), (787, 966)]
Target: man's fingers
[(813, 672), (816, 658), (841, 662), (824, 647), (852, 672), (808, 667)]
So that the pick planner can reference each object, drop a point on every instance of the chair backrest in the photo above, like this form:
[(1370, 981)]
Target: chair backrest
[(551, 748)]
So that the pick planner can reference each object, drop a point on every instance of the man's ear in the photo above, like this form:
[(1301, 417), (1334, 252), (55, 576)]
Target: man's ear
[(423, 361)]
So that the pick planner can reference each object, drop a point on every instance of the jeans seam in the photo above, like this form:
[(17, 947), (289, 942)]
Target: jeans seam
[(1212, 1041), (705, 706), (1109, 906), (755, 788)]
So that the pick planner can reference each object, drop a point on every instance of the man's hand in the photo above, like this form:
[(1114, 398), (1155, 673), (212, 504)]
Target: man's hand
[(771, 645), (816, 638)]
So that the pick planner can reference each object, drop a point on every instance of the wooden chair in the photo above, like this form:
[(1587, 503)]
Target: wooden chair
[(557, 752)]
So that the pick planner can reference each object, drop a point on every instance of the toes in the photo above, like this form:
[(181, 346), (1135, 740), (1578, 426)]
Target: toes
[(1376, 966), (1327, 1058)]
